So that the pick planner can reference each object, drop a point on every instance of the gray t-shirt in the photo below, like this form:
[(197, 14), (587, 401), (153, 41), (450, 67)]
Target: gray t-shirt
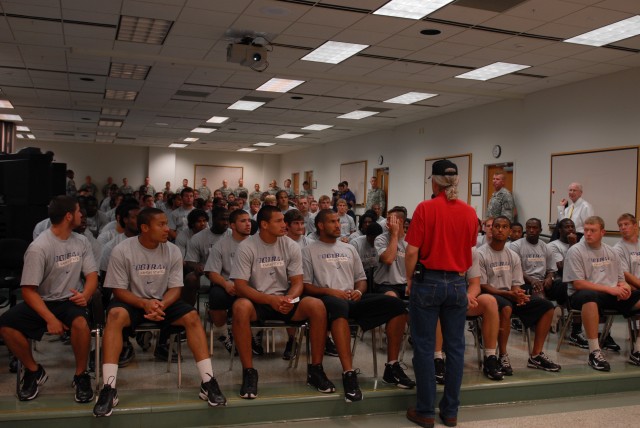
[(629, 256), (396, 272), (267, 267), (147, 273), (368, 253), (55, 265), (355, 235), (303, 241), (108, 248), (347, 225), (558, 250), (221, 256), (499, 269), (474, 271), (600, 266), (178, 219), (336, 266), (182, 240), (536, 259), (201, 243)]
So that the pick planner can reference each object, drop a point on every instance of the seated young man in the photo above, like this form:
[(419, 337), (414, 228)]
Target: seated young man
[(596, 282), (390, 275), (485, 306), (333, 272), (267, 273), (145, 273), (55, 300), (501, 276), (222, 293)]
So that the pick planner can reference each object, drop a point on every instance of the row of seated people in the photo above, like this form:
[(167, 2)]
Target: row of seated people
[(586, 275), (145, 275)]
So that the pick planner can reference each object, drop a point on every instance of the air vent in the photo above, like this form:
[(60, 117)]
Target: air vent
[(490, 5), (192, 94)]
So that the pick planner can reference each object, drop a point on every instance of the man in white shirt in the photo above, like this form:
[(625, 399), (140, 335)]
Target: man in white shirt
[(576, 208)]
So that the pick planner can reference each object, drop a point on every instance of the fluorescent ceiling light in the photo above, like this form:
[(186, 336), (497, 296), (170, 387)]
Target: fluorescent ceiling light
[(279, 85), (611, 33), (290, 136), (5, 104), (143, 30), (129, 71), (358, 114), (191, 139), (410, 98), (11, 117), (317, 127), (22, 128), (106, 134), (109, 122), (412, 9), (112, 94), (31, 136), (104, 140), (264, 144), (19, 135), (245, 105), (178, 145), (217, 119), (492, 70), (247, 149), (334, 52), (114, 111), (203, 130)]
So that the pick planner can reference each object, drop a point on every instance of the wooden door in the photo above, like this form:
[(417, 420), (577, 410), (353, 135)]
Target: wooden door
[(296, 183), (507, 169)]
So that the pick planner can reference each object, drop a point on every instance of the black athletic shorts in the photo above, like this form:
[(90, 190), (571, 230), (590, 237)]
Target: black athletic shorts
[(267, 313), (604, 301), (176, 311), (219, 299), (27, 321), (530, 312), (370, 311), (398, 289)]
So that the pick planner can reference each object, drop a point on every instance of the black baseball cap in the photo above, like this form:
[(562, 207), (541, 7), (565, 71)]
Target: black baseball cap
[(444, 167)]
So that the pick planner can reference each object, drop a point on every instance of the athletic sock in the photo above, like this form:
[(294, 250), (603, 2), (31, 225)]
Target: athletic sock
[(594, 345), (205, 369), (110, 374)]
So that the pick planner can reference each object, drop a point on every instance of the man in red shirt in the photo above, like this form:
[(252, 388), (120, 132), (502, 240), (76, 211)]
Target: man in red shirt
[(440, 238)]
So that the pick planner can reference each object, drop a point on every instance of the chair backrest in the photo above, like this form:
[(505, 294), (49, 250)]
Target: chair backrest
[(12, 254)]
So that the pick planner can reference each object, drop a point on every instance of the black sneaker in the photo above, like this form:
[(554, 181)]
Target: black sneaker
[(162, 353), (634, 358), (394, 374), (610, 345), (543, 362), (82, 383), (256, 343), (317, 378), (30, 383), (505, 365), (126, 355), (210, 392), (13, 364), (516, 325), (352, 391), (143, 339), (440, 370), (578, 339), (107, 400), (227, 342), (330, 348), (249, 388), (491, 368), (288, 353), (597, 361)]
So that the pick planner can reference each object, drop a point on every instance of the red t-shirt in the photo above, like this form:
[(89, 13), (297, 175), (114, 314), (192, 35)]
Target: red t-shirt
[(444, 231)]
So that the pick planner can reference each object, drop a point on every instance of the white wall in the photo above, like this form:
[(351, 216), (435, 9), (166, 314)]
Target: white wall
[(596, 113)]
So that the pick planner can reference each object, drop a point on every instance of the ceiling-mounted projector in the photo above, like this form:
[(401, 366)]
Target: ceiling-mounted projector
[(249, 53)]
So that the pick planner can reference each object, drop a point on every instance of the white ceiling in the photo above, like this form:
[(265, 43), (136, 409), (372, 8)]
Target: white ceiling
[(49, 49)]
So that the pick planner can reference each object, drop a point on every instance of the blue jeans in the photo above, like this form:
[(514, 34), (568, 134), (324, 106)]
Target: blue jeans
[(438, 294)]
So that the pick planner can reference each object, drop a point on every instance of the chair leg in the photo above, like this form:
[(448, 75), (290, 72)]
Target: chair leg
[(563, 331), (527, 333), (300, 332), (374, 352), (172, 339), (179, 345), (98, 366), (607, 328), (476, 338)]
